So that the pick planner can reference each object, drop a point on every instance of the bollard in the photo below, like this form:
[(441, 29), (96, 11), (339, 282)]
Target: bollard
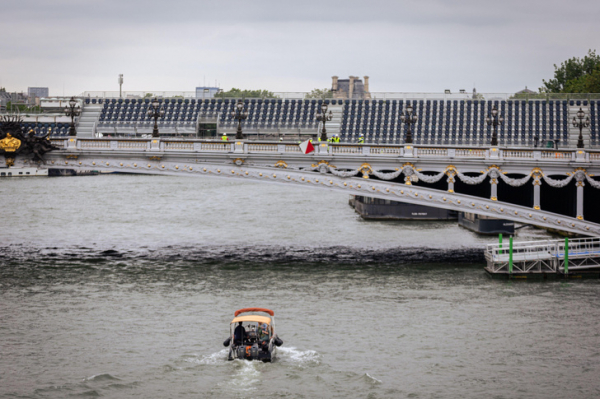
[(500, 243), (566, 255), (510, 253)]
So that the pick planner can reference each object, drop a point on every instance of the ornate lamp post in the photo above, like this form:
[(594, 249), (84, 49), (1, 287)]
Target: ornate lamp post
[(324, 117), (240, 113), (408, 118), (155, 111), (580, 124), (494, 121), (72, 110)]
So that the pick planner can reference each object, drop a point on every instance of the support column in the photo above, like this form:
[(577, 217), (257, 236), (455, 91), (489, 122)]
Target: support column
[(536, 174), (494, 194), (451, 173), (536, 195), (450, 183), (579, 186)]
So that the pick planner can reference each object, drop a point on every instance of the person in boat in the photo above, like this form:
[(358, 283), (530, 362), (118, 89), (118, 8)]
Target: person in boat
[(239, 334), (263, 336)]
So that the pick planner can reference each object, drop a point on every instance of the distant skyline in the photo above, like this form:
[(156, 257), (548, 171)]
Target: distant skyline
[(72, 46)]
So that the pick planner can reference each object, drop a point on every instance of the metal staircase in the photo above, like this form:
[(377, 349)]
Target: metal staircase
[(86, 126)]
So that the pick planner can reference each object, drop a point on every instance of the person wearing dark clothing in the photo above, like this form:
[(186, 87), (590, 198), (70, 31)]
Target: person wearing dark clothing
[(239, 334)]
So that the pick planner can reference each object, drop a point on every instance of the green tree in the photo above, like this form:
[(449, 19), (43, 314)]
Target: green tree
[(238, 93), (320, 93), (589, 83), (575, 75)]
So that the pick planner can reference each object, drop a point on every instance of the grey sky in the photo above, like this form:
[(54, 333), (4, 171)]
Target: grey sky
[(416, 46)]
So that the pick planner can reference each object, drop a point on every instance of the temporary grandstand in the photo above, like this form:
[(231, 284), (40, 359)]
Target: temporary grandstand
[(442, 119)]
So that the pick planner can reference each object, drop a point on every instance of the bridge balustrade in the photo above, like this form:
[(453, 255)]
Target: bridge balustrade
[(292, 148), (386, 150), (346, 149), (179, 145), (221, 147), (418, 151), (559, 155), (93, 144), (470, 153), (432, 152), (517, 154), (134, 145), (262, 147)]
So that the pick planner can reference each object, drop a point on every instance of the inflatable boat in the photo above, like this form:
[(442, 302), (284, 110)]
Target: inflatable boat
[(252, 335)]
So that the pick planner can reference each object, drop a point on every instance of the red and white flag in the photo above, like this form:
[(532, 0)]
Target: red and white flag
[(306, 147)]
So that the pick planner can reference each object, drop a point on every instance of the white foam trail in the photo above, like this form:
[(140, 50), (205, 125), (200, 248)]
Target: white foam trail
[(214, 358), (298, 356), (247, 375)]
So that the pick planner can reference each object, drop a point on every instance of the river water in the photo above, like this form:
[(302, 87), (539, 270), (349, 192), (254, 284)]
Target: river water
[(124, 286)]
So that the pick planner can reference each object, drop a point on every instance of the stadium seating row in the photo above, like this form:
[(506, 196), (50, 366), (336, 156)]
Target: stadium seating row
[(438, 121), (456, 121), (41, 128), (262, 113)]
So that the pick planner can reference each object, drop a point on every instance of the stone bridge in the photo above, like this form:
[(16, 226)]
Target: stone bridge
[(424, 175)]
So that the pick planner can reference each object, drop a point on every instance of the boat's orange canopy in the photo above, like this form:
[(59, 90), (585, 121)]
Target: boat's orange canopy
[(237, 312)]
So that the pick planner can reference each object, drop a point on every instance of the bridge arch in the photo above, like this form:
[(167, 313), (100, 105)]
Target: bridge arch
[(320, 176)]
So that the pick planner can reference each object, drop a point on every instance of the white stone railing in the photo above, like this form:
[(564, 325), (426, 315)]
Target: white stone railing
[(558, 155), (179, 145), (517, 154), (60, 143), (222, 147), (470, 153), (133, 145), (346, 149), (262, 147), (383, 151), (432, 152), (386, 150), (104, 144)]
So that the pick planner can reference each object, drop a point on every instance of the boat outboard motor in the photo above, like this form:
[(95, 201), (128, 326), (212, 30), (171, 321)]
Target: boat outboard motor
[(254, 351), (227, 342), (241, 352)]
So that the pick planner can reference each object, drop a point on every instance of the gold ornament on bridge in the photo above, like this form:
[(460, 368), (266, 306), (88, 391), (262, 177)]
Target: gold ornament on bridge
[(365, 169), (9, 143), (322, 162)]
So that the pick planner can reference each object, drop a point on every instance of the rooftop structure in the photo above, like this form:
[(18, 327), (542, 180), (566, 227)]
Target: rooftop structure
[(351, 88)]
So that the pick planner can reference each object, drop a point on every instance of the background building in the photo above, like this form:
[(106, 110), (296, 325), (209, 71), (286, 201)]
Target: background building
[(206, 92), (353, 87), (35, 93)]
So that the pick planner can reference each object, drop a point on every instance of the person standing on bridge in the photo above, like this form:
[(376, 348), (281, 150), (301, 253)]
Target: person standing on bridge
[(224, 137)]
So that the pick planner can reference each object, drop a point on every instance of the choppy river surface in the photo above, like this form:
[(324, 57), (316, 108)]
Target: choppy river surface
[(124, 286)]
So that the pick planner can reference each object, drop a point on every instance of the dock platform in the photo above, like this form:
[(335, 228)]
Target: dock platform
[(548, 259)]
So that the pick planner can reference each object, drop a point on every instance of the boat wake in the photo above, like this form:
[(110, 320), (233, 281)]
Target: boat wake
[(215, 358), (298, 357)]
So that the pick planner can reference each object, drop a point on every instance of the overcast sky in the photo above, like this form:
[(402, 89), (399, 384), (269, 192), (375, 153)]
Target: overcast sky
[(72, 46)]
